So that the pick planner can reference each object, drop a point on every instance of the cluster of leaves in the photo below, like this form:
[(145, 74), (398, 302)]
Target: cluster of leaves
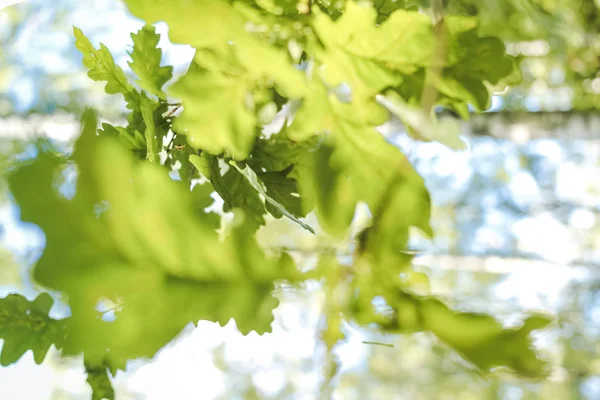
[(134, 237), (569, 29)]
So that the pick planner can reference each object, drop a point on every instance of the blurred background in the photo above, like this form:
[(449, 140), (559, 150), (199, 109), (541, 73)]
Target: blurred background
[(516, 216)]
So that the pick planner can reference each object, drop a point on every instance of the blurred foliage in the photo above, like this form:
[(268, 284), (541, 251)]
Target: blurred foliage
[(417, 366), (133, 246), (557, 43), (41, 73)]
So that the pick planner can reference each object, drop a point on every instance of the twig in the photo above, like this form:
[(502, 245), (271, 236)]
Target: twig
[(378, 344)]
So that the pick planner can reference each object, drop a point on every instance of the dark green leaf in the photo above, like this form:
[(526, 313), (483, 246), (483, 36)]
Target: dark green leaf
[(25, 325), (97, 377), (235, 190), (280, 193), (473, 62)]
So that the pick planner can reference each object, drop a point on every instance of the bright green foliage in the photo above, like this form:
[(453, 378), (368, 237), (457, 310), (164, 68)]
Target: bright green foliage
[(383, 271), (360, 53), (358, 165), (230, 66), (283, 194), (478, 337), (143, 241), (153, 138), (326, 189), (146, 59), (141, 135), (146, 250), (218, 26), (270, 170), (101, 65), (218, 120), (25, 325), (483, 340), (180, 153), (473, 62)]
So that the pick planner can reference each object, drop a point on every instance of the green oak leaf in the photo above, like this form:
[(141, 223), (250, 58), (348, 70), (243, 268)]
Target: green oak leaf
[(468, 66), (383, 270), (278, 152), (221, 28), (283, 190), (201, 200), (143, 145), (327, 189), (146, 114), (370, 58), (235, 190), (230, 73), (473, 62), (215, 117), (483, 340), (132, 236), (25, 325), (279, 191), (146, 117), (151, 134), (355, 164), (181, 152), (479, 338), (145, 61), (101, 65), (135, 142)]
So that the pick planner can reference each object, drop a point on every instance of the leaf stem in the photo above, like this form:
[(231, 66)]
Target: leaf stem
[(378, 343)]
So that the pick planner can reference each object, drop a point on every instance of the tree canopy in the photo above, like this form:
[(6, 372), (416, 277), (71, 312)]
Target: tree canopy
[(277, 116)]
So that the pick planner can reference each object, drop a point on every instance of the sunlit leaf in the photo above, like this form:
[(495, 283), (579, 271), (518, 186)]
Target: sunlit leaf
[(134, 239), (146, 59), (216, 117), (139, 234), (101, 65), (370, 58)]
